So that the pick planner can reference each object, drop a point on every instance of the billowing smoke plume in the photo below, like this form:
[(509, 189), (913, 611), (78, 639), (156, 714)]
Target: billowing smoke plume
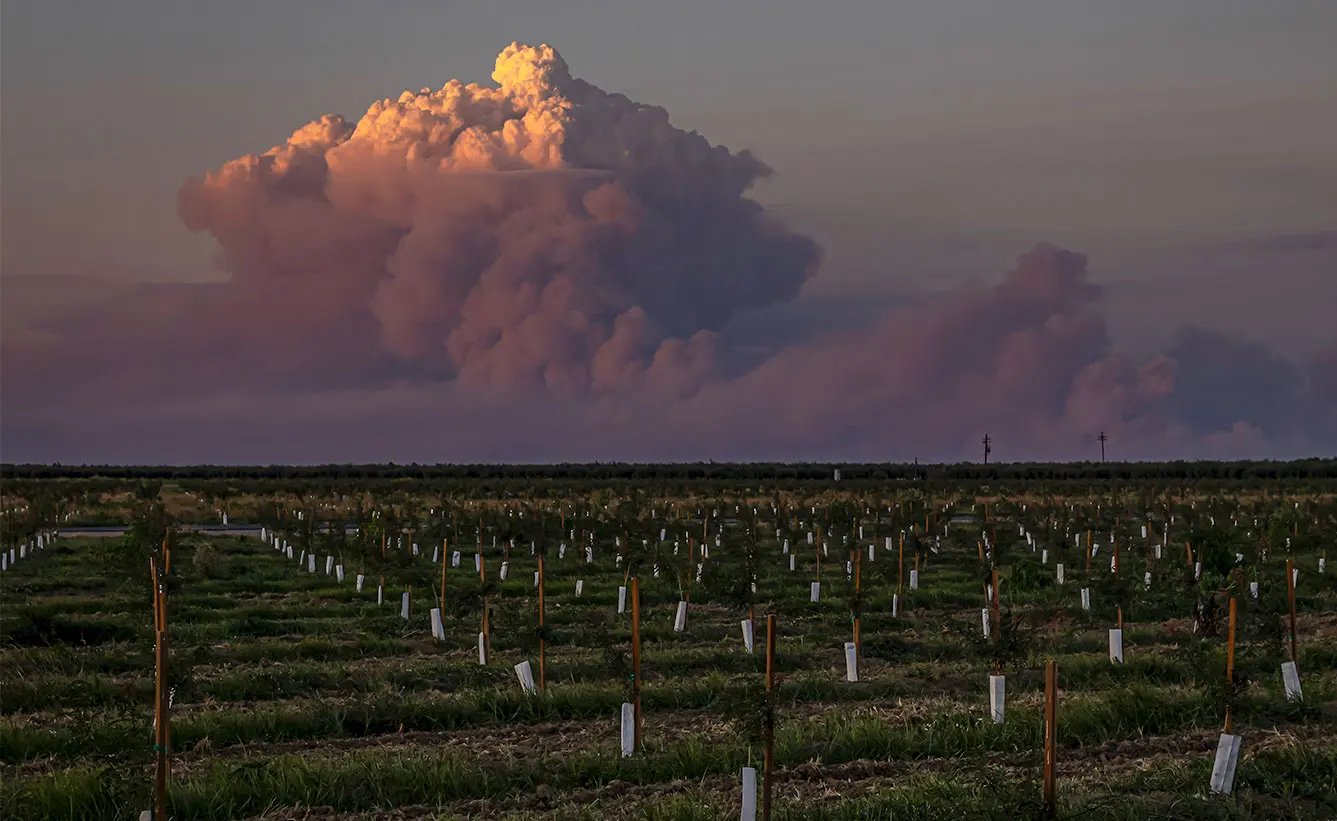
[(541, 271), (1027, 358), (542, 233)]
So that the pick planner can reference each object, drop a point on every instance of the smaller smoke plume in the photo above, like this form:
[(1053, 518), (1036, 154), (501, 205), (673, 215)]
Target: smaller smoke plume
[(1027, 358)]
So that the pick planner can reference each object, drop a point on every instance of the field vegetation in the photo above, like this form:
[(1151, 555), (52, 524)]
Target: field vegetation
[(296, 695)]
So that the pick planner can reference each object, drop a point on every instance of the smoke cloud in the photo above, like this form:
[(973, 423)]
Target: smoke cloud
[(543, 270), (1027, 358), (543, 233)]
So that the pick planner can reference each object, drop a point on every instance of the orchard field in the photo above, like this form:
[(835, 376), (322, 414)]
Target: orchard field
[(911, 620)]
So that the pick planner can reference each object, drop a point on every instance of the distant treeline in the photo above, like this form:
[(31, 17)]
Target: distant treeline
[(707, 471)]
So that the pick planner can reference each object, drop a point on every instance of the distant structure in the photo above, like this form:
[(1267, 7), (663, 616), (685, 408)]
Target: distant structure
[(987, 447), (1102, 437), (835, 475)]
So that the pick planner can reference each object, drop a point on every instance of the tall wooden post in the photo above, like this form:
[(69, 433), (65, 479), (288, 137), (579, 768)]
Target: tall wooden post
[(153, 580), (1051, 739), (445, 561), (994, 604), (543, 678), (769, 743), (691, 568), (161, 697), (858, 607), (1230, 664), (900, 565), (486, 627), (1290, 603), (636, 661)]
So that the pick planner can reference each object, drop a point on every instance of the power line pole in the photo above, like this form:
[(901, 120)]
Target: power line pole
[(987, 449), (1102, 437)]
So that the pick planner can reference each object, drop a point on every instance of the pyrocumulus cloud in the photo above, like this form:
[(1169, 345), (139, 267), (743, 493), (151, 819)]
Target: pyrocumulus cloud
[(541, 233)]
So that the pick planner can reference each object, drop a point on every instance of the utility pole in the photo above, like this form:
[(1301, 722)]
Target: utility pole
[(987, 449), (1102, 437)]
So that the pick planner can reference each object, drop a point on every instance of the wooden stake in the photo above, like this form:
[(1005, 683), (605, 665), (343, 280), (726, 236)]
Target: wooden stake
[(161, 699), (1051, 739), (900, 566), (769, 742), (445, 560), (636, 662), (542, 643), (486, 628), (858, 642), (161, 735), (1230, 663), (153, 591), (691, 569), (1290, 602), (997, 612)]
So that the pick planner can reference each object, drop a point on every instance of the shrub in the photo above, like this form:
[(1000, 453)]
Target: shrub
[(209, 563)]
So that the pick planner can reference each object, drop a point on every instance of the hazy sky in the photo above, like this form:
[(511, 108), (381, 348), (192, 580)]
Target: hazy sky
[(1189, 148)]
